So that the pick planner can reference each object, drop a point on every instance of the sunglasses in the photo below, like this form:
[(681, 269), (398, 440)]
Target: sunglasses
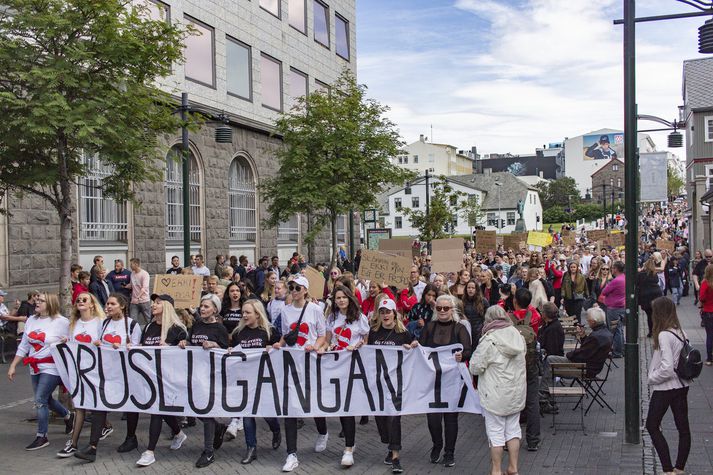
[(442, 309), (83, 300), (605, 268), (294, 287)]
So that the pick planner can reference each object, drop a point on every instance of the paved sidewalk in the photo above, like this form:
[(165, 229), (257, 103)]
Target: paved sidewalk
[(602, 451)]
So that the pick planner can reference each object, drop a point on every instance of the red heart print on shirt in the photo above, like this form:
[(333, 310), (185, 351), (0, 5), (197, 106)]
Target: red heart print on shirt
[(35, 337), (344, 336), (302, 334), (83, 338), (112, 338)]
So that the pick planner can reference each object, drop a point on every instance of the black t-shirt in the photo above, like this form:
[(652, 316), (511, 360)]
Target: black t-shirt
[(231, 318), (700, 270), (201, 331), (174, 270), (152, 335), (254, 338), (389, 337)]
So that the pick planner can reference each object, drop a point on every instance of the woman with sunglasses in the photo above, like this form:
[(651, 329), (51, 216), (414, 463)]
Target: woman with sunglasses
[(445, 330), (306, 317), (603, 278), (387, 330), (85, 323), (332, 278), (210, 334), (46, 327), (347, 329), (255, 331)]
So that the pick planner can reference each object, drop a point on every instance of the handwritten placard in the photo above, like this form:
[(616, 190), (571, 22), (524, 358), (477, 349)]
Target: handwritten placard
[(397, 247), (486, 241), (617, 239), (535, 238), (596, 234), (569, 240), (316, 282), (379, 267), (664, 244), (514, 241), (447, 255), (185, 289)]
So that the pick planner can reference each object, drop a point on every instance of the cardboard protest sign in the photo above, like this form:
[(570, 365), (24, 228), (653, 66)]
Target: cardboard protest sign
[(596, 234), (569, 240), (616, 240), (380, 267), (316, 282), (514, 241), (185, 289), (486, 241), (397, 247), (663, 244), (539, 239), (447, 255)]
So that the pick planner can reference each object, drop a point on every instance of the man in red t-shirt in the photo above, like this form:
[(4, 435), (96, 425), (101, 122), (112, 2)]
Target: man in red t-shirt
[(521, 302)]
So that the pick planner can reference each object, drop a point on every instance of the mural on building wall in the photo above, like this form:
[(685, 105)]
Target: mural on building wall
[(517, 169), (604, 146)]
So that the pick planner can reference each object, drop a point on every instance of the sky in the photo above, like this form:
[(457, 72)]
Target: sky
[(513, 75)]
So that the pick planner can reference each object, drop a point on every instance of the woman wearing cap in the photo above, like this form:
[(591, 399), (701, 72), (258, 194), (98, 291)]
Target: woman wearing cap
[(46, 327), (306, 317), (255, 331), (347, 329), (574, 291), (368, 304), (210, 334), (446, 330), (387, 330), (85, 323)]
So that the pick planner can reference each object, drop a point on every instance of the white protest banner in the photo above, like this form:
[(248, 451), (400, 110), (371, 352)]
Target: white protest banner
[(185, 289), (375, 380), (380, 267)]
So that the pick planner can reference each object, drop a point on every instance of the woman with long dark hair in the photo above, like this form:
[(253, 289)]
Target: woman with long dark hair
[(458, 289), (474, 307), (648, 289), (574, 291), (422, 312), (347, 329), (231, 306), (667, 388)]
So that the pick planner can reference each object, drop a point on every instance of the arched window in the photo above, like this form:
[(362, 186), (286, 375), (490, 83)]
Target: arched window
[(174, 196), (241, 193), (101, 219)]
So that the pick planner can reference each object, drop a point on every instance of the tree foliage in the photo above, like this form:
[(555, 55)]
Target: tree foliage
[(675, 182), (335, 159), (445, 204), (560, 192), (77, 77)]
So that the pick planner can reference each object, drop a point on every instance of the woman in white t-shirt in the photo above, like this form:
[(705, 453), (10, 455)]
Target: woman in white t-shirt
[(46, 327), (85, 323), (307, 318), (347, 329)]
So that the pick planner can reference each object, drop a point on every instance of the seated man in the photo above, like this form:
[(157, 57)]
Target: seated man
[(593, 350), (551, 335)]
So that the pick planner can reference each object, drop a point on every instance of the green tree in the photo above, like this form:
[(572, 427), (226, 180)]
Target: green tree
[(78, 78), (675, 182), (561, 192), (443, 212), (335, 159)]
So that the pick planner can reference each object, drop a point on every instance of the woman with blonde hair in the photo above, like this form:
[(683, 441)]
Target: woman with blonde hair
[(43, 329), (255, 331), (85, 325), (332, 278), (489, 287), (268, 291), (536, 288), (648, 289)]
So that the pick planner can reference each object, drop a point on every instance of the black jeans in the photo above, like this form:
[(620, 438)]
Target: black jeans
[(208, 433), (708, 324), (155, 428), (532, 411), (450, 421), (291, 432), (349, 429), (677, 399), (389, 431), (649, 322), (98, 423)]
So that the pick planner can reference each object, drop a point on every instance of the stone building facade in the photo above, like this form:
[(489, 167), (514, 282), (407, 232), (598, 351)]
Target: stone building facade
[(608, 182), (275, 51)]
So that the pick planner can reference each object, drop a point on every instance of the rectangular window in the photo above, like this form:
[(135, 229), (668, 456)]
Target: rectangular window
[(342, 36), (100, 218), (298, 84), (239, 69), (615, 168), (397, 203), (709, 176), (708, 122), (342, 229), (199, 53), (405, 159), (321, 23), (431, 158), (288, 231), (415, 159), (401, 160), (511, 218), (271, 82), (398, 222), (272, 6), (492, 220), (414, 202), (407, 190), (298, 15)]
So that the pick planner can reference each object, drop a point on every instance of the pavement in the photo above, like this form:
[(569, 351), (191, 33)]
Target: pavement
[(601, 451)]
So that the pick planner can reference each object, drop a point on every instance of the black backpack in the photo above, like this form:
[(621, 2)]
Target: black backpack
[(690, 362)]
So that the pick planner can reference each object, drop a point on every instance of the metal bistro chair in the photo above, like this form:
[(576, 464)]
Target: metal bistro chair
[(577, 373), (594, 386)]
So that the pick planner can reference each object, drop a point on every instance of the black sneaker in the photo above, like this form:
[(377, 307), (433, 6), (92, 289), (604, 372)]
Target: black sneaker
[(533, 448), (435, 454), (219, 434), (69, 423), (105, 432), (129, 444), (396, 466), (549, 408), (300, 423), (67, 451), (205, 459), (38, 443), (448, 460), (364, 420), (389, 459), (341, 434), (88, 453)]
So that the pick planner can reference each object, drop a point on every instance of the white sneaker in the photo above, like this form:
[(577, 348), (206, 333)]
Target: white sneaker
[(320, 445), (147, 458), (348, 458), (291, 463), (178, 440), (232, 431), (240, 423)]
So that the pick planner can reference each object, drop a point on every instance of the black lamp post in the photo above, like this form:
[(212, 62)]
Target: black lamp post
[(632, 416)]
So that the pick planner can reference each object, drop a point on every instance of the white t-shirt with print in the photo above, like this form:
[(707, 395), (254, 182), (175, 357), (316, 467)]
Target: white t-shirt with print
[(347, 334), (86, 332), (312, 326), (115, 332), (39, 336)]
